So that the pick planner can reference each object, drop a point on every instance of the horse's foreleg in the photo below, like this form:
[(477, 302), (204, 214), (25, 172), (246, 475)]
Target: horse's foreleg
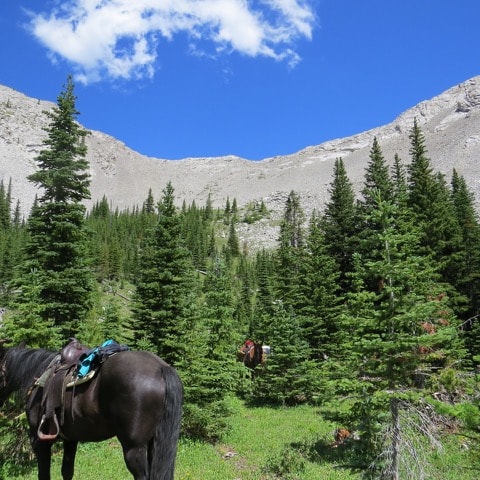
[(43, 452), (68, 462)]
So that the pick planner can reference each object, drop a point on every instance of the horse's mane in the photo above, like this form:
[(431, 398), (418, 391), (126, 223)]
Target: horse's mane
[(24, 365)]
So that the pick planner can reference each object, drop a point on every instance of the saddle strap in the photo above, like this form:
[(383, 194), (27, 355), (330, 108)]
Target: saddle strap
[(48, 372)]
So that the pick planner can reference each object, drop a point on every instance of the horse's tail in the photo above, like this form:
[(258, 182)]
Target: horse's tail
[(164, 448)]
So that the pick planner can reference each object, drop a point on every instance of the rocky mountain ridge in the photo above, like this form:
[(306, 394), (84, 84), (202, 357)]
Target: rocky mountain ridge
[(450, 122)]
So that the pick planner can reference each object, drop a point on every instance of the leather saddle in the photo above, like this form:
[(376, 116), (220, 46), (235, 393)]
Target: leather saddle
[(54, 382)]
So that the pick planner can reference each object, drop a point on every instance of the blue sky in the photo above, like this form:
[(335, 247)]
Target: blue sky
[(193, 78)]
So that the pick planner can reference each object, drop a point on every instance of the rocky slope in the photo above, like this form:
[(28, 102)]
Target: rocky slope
[(450, 121)]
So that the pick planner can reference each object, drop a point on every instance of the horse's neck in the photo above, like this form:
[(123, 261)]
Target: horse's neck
[(27, 367)]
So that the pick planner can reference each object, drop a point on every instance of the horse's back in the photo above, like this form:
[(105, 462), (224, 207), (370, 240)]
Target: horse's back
[(131, 365), (134, 376)]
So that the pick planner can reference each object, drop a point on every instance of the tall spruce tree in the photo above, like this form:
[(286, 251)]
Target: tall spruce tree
[(339, 222), (290, 252), (399, 338), (432, 209), (467, 277), (399, 180), (319, 313), (377, 177), (265, 296), (232, 249), (244, 301), (209, 369), (468, 270), (56, 246), (377, 186), (166, 284)]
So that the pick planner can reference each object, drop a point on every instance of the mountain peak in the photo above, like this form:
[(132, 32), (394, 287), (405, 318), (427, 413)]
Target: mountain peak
[(450, 122)]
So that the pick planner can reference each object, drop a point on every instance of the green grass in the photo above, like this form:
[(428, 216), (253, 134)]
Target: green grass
[(262, 442)]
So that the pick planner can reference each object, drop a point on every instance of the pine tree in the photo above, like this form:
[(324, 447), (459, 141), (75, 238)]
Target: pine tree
[(321, 292), (218, 316), (430, 203), (421, 179), (377, 177), (194, 230), (149, 204), (290, 252), (26, 324), (233, 246), (399, 180), (467, 273), (5, 207), (445, 228), (166, 284), (265, 297), (398, 338), (339, 222), (208, 210), (227, 212), (63, 168), (377, 186), (56, 247), (245, 299), (289, 376)]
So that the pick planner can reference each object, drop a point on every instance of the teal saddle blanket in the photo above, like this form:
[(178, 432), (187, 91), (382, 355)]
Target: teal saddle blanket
[(95, 357)]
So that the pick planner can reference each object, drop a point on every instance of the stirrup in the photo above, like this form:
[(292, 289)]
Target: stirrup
[(48, 436)]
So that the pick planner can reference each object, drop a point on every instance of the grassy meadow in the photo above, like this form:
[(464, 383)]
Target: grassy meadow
[(263, 444)]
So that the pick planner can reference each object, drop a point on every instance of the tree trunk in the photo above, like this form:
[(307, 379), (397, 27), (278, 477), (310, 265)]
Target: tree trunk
[(394, 410)]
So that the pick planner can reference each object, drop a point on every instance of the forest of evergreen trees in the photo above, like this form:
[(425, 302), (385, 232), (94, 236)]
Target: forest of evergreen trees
[(370, 306)]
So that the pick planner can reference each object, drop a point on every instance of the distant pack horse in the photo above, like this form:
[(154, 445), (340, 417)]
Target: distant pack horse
[(253, 354), (134, 396)]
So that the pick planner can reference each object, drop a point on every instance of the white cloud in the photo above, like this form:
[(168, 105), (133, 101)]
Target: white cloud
[(119, 38)]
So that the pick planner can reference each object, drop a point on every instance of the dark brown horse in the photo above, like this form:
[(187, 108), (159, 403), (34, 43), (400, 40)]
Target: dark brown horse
[(135, 396), (251, 354)]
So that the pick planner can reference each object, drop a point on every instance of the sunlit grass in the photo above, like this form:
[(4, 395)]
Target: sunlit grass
[(261, 442)]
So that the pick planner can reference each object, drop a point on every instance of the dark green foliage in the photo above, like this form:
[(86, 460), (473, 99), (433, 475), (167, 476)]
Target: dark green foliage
[(265, 298), (165, 287), (63, 169), (399, 181), (233, 246), (56, 243), (289, 376), (195, 225), (465, 272), (16, 456), (322, 297), (377, 178), (209, 368), (339, 222), (433, 212), (12, 241), (244, 309), (26, 324), (399, 337), (115, 240), (56, 250), (254, 212), (149, 204), (230, 211), (291, 248), (378, 186), (5, 206)]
